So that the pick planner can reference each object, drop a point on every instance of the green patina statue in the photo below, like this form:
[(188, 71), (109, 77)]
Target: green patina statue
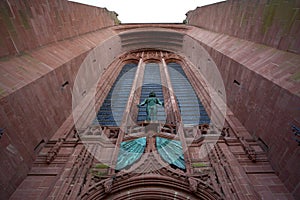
[(151, 102)]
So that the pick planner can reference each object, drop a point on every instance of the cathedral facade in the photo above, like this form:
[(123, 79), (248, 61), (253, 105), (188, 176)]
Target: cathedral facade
[(95, 109)]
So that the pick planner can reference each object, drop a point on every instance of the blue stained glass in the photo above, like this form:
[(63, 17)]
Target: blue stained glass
[(130, 152), (191, 109), (171, 151)]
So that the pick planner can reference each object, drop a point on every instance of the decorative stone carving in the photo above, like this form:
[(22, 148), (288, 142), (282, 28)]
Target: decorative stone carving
[(193, 183), (168, 128), (108, 185), (110, 132), (248, 149), (225, 132), (96, 130), (52, 153), (75, 134), (204, 128)]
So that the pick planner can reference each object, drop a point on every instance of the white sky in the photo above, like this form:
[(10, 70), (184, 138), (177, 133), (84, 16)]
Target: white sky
[(149, 11)]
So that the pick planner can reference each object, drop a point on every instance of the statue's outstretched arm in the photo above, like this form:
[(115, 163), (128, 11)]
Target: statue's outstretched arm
[(159, 102), (143, 103)]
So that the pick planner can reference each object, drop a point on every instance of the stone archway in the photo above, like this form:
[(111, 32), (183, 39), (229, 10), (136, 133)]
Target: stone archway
[(150, 186)]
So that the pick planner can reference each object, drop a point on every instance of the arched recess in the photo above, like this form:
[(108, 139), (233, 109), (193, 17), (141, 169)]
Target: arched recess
[(160, 39), (198, 82), (157, 186), (131, 60), (151, 60), (150, 186)]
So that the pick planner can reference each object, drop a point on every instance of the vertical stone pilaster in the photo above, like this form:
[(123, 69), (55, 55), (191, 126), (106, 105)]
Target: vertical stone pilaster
[(129, 107), (178, 120)]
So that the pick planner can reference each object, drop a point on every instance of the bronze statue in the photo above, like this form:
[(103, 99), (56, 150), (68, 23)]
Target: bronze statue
[(151, 102)]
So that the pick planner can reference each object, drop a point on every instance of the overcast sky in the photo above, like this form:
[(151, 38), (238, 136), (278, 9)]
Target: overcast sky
[(150, 11)]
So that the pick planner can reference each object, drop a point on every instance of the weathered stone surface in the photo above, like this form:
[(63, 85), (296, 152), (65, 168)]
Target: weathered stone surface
[(267, 100), (274, 23), (33, 105), (34, 23)]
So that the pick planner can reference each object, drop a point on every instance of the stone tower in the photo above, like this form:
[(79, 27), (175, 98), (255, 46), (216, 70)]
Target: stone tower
[(72, 77)]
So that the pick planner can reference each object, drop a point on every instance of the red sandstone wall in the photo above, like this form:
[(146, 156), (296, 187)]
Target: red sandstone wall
[(30, 116), (33, 23), (267, 111), (274, 22), (33, 112), (32, 104), (267, 100)]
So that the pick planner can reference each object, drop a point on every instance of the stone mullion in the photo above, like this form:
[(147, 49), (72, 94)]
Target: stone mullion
[(174, 104), (134, 97), (170, 119), (185, 149), (132, 100), (177, 117), (126, 116)]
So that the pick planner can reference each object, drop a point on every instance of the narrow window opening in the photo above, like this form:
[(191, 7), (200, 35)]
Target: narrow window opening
[(236, 82), (63, 86), (1, 132), (263, 145), (39, 146), (296, 132)]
